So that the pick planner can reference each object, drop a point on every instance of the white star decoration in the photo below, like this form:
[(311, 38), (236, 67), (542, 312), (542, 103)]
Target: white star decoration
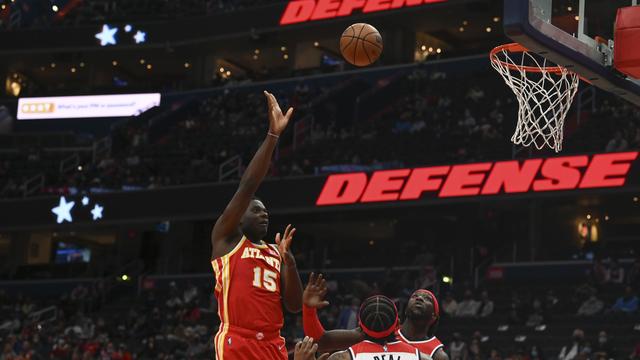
[(63, 210), (140, 37), (85, 201), (97, 212), (107, 35)]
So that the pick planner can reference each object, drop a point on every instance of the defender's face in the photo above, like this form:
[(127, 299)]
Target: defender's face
[(420, 306), (255, 221)]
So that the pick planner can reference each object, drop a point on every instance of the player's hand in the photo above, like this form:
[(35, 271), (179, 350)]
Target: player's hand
[(313, 295), (306, 350), (277, 120), (284, 245)]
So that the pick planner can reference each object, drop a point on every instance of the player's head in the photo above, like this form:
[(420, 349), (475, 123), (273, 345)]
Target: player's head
[(423, 307), (378, 317), (255, 221)]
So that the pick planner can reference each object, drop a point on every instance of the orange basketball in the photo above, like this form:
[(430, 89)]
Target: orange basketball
[(361, 44)]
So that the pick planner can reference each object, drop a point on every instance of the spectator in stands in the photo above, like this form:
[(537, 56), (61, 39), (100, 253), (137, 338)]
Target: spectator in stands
[(615, 273), (516, 309), (449, 305), (536, 353), (599, 272), (635, 355), (537, 315), (551, 302), (468, 307), (603, 349), (475, 350), (577, 349), (486, 305), (428, 279), (618, 143), (592, 306), (628, 303), (349, 315), (495, 355), (458, 349), (633, 276)]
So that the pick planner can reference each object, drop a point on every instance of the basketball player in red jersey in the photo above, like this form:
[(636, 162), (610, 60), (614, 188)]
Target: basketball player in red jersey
[(379, 320), (421, 318), (253, 279)]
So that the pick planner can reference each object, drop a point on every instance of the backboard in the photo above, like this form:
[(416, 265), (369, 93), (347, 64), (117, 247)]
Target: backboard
[(576, 34)]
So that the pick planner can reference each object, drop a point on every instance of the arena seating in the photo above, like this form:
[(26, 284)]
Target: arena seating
[(171, 317), (439, 116)]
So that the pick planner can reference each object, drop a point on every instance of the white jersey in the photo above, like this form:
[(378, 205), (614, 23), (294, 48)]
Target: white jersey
[(397, 350)]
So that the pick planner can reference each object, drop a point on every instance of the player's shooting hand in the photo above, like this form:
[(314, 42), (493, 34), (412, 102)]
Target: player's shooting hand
[(284, 245), (306, 350), (277, 120), (313, 295)]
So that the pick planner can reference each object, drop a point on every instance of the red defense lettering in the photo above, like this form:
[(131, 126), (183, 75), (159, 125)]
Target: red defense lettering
[(376, 5), (297, 11), (402, 3), (385, 185), (511, 176), (608, 170), (464, 180), (325, 9), (342, 189), (348, 6), (422, 180), (560, 173)]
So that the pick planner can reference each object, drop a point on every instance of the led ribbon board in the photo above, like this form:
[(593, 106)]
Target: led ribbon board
[(298, 11), (479, 179), (96, 106)]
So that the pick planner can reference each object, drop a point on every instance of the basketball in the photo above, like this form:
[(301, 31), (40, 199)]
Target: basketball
[(361, 44)]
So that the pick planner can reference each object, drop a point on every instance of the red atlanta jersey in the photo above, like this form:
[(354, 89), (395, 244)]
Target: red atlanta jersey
[(397, 350), (428, 347), (248, 288)]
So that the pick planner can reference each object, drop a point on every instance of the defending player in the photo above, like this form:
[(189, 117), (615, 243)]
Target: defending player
[(378, 321), (251, 276), (421, 319)]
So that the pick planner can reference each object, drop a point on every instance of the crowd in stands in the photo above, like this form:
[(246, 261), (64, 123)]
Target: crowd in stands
[(425, 117), (38, 14), (177, 320)]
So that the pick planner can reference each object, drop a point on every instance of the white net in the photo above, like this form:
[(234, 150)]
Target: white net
[(544, 92)]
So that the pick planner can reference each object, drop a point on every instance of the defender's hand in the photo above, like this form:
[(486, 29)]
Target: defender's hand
[(284, 245), (313, 295), (306, 350), (277, 120)]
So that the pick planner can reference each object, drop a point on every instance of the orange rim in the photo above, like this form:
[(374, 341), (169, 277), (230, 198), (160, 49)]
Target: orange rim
[(517, 48)]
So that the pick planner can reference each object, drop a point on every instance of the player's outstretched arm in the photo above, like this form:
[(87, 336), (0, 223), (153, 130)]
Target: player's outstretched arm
[(225, 233), (291, 284), (313, 299)]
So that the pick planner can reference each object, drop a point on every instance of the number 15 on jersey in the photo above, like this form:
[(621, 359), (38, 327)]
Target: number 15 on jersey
[(265, 279)]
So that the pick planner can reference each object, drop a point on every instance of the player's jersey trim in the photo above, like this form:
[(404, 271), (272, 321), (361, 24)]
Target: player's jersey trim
[(388, 343), (436, 349), (414, 342)]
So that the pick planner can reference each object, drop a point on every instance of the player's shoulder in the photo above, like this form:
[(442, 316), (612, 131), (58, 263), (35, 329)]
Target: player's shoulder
[(227, 247), (340, 355), (440, 354)]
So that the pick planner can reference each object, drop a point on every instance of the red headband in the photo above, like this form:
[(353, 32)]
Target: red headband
[(436, 306), (379, 334)]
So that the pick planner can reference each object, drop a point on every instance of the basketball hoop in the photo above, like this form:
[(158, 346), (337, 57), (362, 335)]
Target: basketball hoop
[(544, 94)]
